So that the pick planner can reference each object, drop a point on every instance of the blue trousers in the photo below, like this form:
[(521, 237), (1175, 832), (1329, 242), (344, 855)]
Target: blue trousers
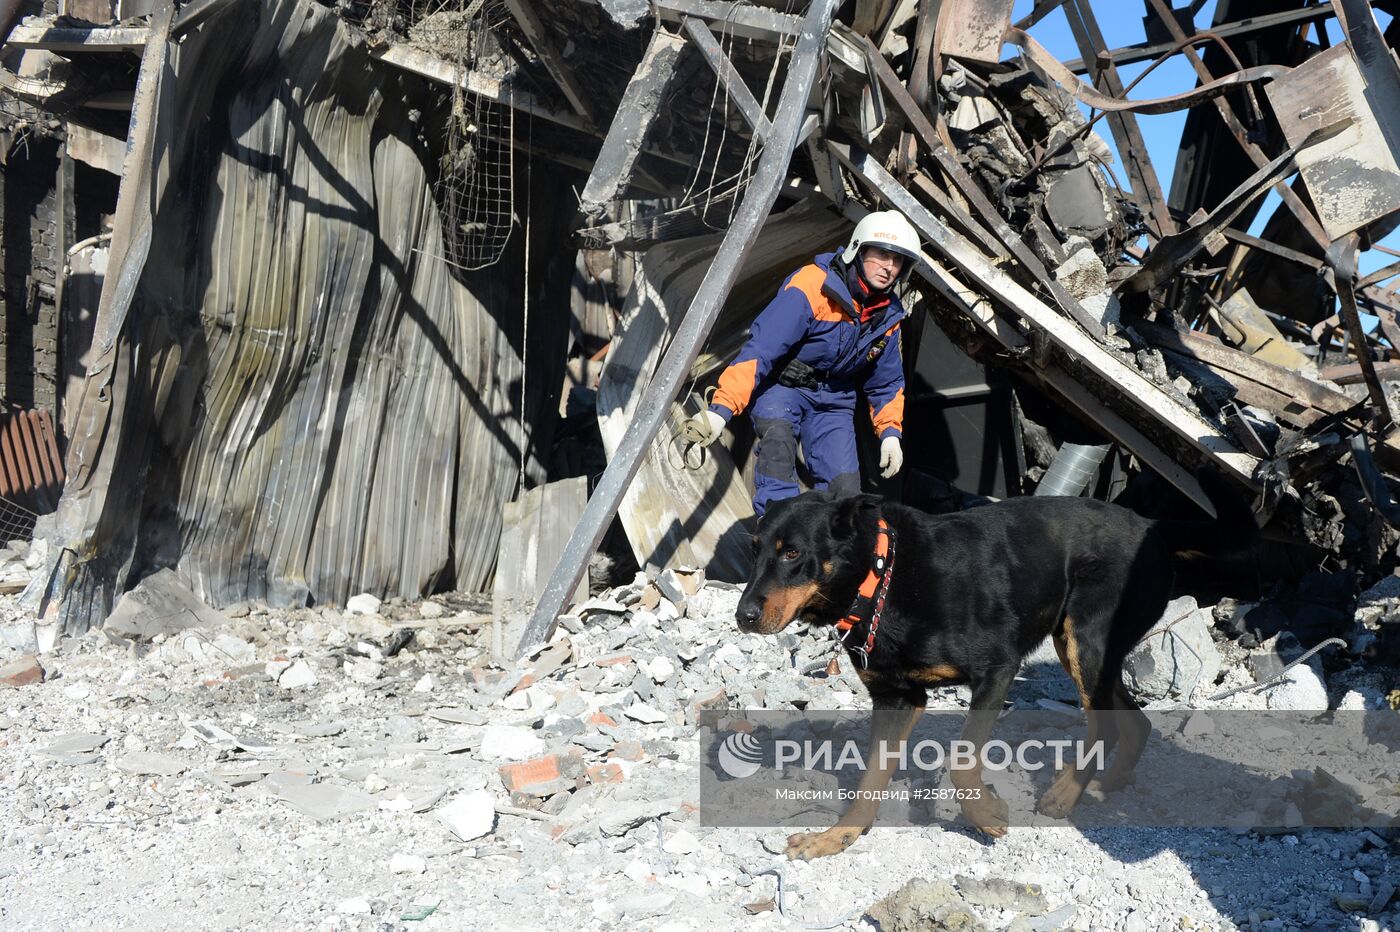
[(823, 422)]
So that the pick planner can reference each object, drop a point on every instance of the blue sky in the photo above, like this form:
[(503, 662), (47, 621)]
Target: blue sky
[(1121, 23)]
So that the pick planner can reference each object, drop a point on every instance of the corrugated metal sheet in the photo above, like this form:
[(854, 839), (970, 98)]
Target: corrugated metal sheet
[(304, 403), (31, 471)]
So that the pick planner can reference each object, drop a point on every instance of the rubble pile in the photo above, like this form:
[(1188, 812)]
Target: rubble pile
[(19, 559), (376, 756)]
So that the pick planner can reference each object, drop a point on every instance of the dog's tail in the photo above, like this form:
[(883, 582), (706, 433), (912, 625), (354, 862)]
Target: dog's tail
[(1233, 531)]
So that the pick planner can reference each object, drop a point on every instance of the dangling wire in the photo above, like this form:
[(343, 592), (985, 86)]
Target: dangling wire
[(525, 329)]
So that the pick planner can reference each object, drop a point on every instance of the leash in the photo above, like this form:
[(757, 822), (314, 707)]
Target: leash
[(870, 598), (688, 451)]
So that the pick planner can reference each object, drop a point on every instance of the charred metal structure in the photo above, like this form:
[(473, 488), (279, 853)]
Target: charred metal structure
[(377, 270)]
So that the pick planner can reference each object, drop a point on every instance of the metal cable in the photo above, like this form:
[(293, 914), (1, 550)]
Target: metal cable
[(1280, 674)]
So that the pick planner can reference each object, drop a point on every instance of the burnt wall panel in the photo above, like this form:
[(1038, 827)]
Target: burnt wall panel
[(34, 237)]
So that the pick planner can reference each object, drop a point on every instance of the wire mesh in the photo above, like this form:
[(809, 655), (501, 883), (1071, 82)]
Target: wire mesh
[(16, 522), (474, 189)]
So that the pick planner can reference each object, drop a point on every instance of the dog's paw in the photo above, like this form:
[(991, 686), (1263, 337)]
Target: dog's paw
[(988, 815), (808, 846)]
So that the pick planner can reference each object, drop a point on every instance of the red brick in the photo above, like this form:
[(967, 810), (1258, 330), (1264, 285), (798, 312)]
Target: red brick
[(540, 774), (601, 718), (612, 661)]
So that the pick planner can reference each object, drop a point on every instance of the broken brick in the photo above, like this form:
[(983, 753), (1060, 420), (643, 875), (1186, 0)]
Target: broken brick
[(605, 773), (541, 776), (612, 661), (26, 671), (601, 718)]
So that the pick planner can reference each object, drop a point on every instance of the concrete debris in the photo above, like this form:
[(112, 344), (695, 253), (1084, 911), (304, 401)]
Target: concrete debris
[(363, 604), (287, 724), (469, 816), (579, 794), (996, 893), (25, 671), (641, 712), (322, 802), (1177, 658), (160, 604), (509, 743), (926, 906), (18, 560), (149, 763), (65, 746), (1302, 689), (621, 818), (407, 864), (627, 13), (297, 676)]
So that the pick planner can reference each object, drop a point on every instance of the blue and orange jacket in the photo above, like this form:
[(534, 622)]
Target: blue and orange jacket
[(815, 319)]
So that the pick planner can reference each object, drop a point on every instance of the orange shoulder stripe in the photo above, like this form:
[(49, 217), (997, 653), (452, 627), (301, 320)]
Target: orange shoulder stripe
[(809, 280)]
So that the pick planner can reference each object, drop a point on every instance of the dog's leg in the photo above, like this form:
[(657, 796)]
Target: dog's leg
[(986, 813), (892, 720), (1136, 728), (1084, 662), (1074, 666)]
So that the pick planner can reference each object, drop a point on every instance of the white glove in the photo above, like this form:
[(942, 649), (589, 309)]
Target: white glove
[(704, 428), (891, 457)]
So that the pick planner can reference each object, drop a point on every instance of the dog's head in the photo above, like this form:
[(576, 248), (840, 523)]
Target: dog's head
[(805, 550)]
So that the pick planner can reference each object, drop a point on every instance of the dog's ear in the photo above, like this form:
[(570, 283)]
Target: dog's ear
[(851, 513)]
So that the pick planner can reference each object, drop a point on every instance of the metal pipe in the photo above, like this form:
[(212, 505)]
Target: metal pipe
[(1072, 469)]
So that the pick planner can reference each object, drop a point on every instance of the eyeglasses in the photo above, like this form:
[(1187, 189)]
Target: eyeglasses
[(884, 257)]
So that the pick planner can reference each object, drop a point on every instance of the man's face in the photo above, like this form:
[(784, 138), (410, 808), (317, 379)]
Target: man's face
[(881, 266)]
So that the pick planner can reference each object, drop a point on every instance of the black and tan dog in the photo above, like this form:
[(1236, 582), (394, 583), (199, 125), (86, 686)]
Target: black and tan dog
[(962, 598)]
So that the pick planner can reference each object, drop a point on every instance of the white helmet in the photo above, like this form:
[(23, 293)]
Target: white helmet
[(887, 229)]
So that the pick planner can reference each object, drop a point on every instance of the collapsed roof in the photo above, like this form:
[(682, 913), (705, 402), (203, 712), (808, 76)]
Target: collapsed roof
[(329, 346)]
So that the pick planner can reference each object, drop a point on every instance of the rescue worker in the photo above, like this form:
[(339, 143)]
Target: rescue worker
[(833, 328)]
